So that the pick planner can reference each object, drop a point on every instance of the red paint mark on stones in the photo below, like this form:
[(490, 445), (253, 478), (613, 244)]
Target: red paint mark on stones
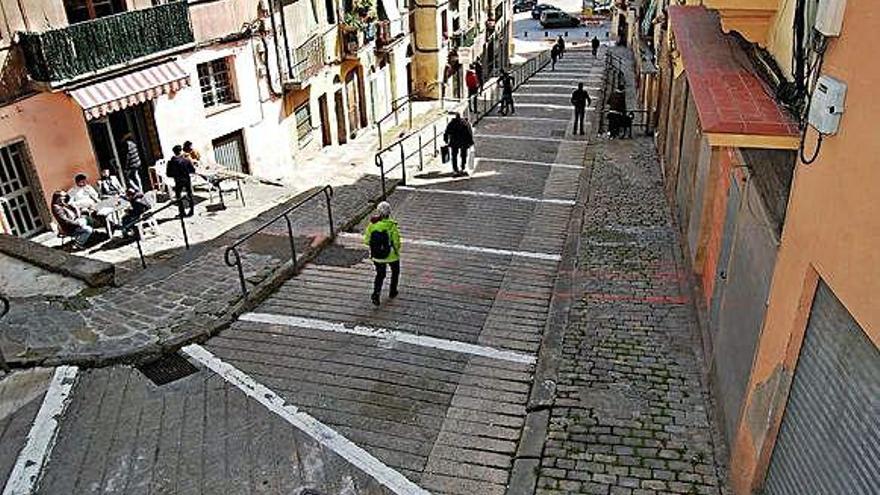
[(651, 299)]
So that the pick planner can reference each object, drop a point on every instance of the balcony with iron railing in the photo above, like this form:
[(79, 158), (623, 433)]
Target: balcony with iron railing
[(356, 37), (465, 38), (389, 33), (106, 43), (305, 61)]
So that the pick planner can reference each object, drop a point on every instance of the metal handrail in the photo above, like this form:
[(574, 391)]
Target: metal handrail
[(152, 213), (490, 97), (4, 308), (396, 105), (233, 258)]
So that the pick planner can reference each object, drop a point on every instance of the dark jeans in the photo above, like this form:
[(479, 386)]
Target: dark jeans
[(180, 187), (380, 276), (456, 152), (579, 120), (472, 96), (507, 103)]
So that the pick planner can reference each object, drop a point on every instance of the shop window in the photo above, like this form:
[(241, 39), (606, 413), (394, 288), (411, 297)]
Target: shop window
[(215, 80), (303, 115)]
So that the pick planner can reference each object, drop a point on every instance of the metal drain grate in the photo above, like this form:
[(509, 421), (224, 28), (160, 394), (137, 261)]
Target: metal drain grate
[(168, 369)]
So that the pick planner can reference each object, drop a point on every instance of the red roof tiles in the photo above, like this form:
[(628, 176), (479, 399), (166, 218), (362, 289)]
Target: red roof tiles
[(729, 96)]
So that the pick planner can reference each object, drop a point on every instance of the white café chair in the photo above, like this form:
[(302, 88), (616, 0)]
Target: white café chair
[(150, 222)]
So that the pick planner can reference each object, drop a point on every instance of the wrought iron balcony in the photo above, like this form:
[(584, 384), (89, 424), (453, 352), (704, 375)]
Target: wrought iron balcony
[(356, 39), (388, 33), (306, 61), (94, 46), (465, 39)]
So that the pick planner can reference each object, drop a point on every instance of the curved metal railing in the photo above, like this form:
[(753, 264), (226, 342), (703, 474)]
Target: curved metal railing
[(232, 257)]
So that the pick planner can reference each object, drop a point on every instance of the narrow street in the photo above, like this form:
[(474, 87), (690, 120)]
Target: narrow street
[(316, 391)]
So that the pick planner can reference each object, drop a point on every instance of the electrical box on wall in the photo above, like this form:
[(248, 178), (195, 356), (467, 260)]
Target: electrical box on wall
[(826, 106), (829, 17)]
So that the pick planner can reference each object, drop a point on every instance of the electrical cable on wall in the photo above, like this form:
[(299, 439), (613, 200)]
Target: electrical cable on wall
[(814, 69)]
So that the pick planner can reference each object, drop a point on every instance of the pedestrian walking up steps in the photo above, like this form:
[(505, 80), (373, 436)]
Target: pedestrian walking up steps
[(426, 393)]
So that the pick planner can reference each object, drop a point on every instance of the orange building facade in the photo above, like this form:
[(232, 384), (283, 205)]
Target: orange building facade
[(782, 231)]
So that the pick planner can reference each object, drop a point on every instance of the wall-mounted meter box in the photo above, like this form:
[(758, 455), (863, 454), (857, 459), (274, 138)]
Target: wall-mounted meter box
[(826, 106), (829, 17)]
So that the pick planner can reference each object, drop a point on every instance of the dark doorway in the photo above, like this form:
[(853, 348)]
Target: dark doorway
[(107, 134), (326, 139), (341, 135)]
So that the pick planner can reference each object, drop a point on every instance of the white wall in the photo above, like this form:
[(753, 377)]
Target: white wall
[(267, 133)]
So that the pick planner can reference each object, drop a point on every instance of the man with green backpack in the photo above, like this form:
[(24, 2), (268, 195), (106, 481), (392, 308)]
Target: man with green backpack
[(383, 238)]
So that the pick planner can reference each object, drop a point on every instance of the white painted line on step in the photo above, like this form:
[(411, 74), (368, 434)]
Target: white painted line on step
[(516, 117), (565, 86), (41, 438), (465, 247), (323, 434), (544, 74), (527, 138), (478, 249), (391, 335), (526, 162), (552, 107), (564, 202)]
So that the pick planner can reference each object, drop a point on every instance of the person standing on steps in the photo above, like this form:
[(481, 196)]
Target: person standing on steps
[(560, 42), (472, 80), (459, 136), (383, 238), (580, 99), (554, 56), (507, 94), (595, 46)]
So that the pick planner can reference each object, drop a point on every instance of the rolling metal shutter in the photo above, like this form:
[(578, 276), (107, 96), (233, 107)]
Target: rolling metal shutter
[(829, 441)]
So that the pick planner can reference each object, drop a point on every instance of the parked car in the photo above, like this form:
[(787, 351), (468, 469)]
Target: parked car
[(523, 5), (558, 19), (537, 10)]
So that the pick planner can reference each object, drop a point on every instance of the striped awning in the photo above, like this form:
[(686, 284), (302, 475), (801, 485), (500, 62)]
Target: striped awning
[(115, 94)]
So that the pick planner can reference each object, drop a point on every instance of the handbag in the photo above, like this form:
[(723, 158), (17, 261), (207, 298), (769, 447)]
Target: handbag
[(444, 153)]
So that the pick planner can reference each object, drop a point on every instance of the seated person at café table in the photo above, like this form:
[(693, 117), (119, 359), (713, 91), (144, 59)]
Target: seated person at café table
[(82, 194), (70, 222), (109, 185), (137, 206)]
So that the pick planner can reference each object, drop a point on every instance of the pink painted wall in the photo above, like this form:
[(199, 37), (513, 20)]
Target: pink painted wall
[(55, 131)]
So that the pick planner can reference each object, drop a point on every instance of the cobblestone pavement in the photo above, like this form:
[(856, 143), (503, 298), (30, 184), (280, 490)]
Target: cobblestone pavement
[(630, 415), (171, 301)]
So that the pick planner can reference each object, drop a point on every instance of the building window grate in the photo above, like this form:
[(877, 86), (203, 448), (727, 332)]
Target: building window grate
[(168, 369), (215, 80), (303, 116)]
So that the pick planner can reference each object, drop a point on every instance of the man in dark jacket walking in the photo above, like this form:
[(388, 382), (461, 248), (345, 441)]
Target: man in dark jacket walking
[(579, 100), (459, 136), (560, 42), (595, 46), (179, 168), (132, 163)]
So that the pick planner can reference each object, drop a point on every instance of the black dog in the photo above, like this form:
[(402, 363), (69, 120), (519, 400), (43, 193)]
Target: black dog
[(620, 124)]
